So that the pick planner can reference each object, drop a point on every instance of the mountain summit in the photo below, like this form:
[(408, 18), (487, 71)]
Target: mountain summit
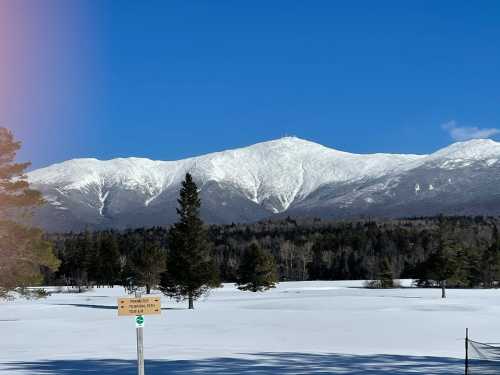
[(288, 176)]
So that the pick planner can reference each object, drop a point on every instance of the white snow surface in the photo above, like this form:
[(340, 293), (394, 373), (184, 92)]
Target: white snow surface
[(297, 328), (284, 171)]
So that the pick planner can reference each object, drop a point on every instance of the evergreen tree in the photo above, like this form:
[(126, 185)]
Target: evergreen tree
[(148, 264), (464, 263), (110, 259), (385, 275), (23, 250), (191, 272), (474, 272), (441, 263), (257, 271), (490, 262), (316, 267), (77, 259), (91, 248)]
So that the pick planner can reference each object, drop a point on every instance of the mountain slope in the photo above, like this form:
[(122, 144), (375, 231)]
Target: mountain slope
[(285, 176)]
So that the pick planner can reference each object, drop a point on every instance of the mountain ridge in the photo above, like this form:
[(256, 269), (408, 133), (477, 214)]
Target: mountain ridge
[(266, 178)]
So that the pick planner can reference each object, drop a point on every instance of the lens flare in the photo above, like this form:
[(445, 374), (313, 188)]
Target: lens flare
[(44, 58)]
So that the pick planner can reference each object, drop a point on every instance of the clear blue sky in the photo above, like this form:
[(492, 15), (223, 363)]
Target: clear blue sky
[(171, 79)]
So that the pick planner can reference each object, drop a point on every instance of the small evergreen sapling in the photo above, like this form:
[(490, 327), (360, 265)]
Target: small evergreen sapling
[(257, 271)]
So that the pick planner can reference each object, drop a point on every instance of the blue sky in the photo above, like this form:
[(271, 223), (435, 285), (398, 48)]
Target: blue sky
[(171, 79)]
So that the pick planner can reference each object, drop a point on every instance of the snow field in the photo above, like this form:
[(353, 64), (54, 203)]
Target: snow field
[(299, 327)]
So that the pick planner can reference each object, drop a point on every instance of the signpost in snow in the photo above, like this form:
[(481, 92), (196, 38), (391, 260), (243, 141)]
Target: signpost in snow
[(138, 307)]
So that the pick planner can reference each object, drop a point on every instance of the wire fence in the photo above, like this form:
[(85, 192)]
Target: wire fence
[(482, 358)]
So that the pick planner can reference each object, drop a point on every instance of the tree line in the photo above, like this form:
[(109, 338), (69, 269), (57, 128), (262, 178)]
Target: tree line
[(437, 251)]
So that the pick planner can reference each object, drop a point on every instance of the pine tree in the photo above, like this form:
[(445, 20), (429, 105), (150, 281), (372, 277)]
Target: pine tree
[(257, 271), (77, 261), (385, 275), (441, 263), (23, 250), (91, 248), (110, 259), (191, 272), (490, 262), (473, 268), (147, 265)]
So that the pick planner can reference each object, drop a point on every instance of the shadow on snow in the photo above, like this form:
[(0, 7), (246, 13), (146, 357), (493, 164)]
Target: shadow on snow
[(108, 307), (261, 363)]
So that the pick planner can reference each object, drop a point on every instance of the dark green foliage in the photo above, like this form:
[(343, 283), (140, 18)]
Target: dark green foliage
[(317, 249), (147, 265), (257, 271), (443, 261), (109, 259), (443, 264), (385, 276), (24, 253), (490, 260), (89, 249), (191, 271)]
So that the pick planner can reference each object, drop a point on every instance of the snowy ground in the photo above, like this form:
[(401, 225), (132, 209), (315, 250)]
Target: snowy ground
[(298, 328)]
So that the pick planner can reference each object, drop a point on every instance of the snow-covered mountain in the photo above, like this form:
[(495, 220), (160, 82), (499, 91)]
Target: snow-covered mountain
[(288, 176)]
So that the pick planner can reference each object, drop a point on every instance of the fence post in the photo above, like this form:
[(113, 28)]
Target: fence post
[(466, 351)]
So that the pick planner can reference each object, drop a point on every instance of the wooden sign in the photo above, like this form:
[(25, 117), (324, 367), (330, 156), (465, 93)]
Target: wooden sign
[(139, 306)]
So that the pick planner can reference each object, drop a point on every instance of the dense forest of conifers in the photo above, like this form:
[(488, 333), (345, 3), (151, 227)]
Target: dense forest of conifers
[(465, 251)]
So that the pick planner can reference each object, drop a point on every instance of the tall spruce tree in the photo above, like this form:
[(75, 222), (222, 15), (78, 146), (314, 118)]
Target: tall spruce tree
[(23, 251), (191, 271), (257, 271)]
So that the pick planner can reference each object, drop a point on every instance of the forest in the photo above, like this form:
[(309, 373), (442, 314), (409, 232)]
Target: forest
[(462, 251)]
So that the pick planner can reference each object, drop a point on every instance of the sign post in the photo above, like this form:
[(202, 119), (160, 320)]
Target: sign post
[(140, 345), (138, 307)]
